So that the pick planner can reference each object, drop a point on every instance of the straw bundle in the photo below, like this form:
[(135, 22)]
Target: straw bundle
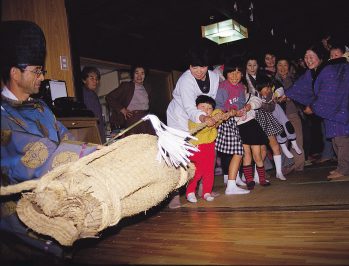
[(80, 199)]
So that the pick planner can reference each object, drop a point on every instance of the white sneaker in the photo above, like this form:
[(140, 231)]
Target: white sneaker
[(233, 189), (225, 179), (192, 198), (281, 177), (208, 197), (236, 191)]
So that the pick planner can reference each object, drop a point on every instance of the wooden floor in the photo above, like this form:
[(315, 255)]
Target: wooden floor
[(223, 237), (310, 228), (301, 221)]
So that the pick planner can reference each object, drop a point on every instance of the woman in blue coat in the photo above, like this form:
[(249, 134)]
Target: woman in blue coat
[(324, 90)]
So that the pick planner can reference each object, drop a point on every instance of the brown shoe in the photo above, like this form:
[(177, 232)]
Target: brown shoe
[(307, 163), (335, 175), (332, 172), (322, 160), (175, 202), (215, 194)]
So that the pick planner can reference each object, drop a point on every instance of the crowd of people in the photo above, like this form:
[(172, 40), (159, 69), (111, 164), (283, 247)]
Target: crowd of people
[(248, 110), (274, 107)]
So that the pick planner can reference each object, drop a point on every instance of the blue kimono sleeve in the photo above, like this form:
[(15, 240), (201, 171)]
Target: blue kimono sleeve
[(332, 94), (63, 132), (301, 90)]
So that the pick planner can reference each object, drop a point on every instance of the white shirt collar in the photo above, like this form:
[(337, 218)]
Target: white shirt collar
[(8, 94)]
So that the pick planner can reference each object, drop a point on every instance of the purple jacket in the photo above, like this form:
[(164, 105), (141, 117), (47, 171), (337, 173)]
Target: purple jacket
[(328, 96), (230, 96)]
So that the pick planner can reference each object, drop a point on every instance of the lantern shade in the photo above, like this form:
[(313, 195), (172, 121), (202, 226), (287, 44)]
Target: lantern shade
[(224, 31)]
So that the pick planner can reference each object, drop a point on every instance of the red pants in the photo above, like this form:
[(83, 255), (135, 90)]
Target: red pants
[(204, 161)]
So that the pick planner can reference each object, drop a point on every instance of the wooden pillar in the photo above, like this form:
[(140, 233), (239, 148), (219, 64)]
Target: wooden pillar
[(51, 16)]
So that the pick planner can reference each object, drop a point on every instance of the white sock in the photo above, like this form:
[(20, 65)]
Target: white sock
[(286, 151), (277, 161), (225, 179), (191, 197), (295, 147), (208, 197)]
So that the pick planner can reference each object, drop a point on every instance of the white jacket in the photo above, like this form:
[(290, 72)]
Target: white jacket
[(183, 107)]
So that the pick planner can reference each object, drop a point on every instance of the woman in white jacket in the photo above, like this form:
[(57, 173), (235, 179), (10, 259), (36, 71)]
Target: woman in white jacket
[(197, 80)]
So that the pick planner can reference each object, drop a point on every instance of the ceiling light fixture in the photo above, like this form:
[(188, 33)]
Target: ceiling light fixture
[(224, 31)]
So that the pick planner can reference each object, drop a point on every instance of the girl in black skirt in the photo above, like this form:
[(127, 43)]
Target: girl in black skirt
[(268, 122), (232, 97)]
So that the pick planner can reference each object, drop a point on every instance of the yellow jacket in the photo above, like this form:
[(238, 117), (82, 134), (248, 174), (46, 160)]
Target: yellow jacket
[(205, 135)]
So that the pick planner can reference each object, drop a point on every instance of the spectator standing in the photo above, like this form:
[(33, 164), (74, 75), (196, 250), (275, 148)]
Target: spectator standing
[(324, 90), (292, 111), (90, 79), (130, 102)]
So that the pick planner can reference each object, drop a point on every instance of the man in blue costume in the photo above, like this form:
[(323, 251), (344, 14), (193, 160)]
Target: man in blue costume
[(32, 141)]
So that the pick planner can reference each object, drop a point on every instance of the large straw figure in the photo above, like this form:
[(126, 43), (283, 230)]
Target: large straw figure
[(82, 198)]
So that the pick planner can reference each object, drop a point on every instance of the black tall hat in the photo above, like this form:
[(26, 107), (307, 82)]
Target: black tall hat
[(22, 42)]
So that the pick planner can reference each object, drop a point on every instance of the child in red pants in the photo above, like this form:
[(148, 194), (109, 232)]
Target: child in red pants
[(204, 160)]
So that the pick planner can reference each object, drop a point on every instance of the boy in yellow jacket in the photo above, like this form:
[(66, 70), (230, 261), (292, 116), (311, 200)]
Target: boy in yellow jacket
[(204, 160)]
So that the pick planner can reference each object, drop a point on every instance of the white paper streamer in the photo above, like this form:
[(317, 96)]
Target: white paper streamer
[(173, 144)]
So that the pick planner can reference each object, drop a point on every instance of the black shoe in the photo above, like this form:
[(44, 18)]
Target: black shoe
[(265, 184), (250, 185)]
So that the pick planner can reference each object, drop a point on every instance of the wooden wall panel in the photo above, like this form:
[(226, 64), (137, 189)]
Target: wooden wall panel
[(175, 76), (51, 16), (162, 86)]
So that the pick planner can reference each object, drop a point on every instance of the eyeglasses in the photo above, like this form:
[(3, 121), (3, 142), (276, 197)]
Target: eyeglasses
[(37, 72)]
